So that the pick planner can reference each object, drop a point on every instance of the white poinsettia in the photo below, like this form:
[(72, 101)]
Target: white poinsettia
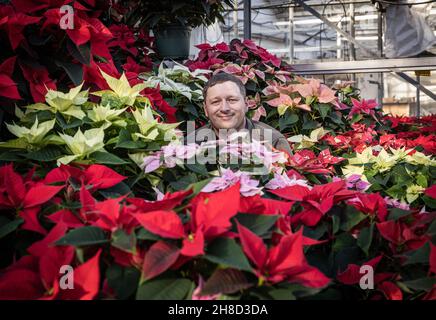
[(413, 192), (107, 114), (121, 88), (66, 103), (82, 144), (176, 79), (34, 135)]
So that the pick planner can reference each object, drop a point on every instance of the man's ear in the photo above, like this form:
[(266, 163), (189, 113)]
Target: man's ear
[(205, 109)]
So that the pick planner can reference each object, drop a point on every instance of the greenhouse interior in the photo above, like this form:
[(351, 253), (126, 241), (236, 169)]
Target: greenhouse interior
[(236, 151)]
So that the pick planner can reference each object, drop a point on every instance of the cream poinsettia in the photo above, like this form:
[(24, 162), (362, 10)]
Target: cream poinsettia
[(384, 161), (149, 127), (305, 142), (82, 144), (34, 135), (365, 156), (66, 103), (420, 158), (108, 115), (413, 192), (121, 89)]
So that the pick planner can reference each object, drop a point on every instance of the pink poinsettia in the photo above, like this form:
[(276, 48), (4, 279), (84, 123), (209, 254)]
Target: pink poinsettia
[(285, 101), (314, 88)]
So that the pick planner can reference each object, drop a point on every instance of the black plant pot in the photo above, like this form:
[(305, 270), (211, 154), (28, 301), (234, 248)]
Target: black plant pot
[(172, 41)]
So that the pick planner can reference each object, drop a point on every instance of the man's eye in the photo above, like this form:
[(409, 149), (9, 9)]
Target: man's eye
[(233, 100)]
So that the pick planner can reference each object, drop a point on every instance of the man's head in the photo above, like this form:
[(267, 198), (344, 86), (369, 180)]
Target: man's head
[(224, 101)]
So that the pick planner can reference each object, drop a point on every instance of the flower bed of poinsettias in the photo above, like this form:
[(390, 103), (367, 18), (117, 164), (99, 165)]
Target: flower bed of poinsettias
[(98, 180)]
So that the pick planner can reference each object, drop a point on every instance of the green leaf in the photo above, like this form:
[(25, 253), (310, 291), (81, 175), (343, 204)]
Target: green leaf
[(396, 213), (107, 158), (49, 153), (323, 109), (11, 156), (10, 227), (64, 125), (225, 281), (198, 168), (85, 236), (81, 53), (287, 120), (144, 234), (344, 240), (257, 223), (227, 252), (351, 218), (123, 281), (365, 238), (164, 289), (425, 284), (420, 255), (125, 141), (123, 241), (74, 71), (336, 221), (281, 294)]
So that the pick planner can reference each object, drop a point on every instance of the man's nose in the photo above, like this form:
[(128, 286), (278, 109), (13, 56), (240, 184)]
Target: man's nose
[(225, 106)]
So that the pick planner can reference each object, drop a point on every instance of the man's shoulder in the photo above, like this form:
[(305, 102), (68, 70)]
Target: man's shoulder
[(262, 125)]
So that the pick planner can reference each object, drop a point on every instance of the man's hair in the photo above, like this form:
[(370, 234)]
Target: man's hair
[(224, 77)]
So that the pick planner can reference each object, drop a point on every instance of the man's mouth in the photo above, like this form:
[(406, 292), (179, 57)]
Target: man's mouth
[(225, 117)]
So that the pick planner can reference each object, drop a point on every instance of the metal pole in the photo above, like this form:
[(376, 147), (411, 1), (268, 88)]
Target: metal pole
[(291, 35), (418, 100), (380, 52), (235, 20), (352, 33), (247, 19)]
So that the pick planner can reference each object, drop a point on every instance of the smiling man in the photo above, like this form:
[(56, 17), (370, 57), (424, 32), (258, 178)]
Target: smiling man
[(225, 104)]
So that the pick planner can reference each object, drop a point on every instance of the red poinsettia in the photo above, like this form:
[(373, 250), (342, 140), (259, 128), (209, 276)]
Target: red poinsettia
[(26, 196), (283, 262), (307, 161), (39, 81), (210, 217), (406, 234), (371, 204), (8, 88), (37, 276), (95, 176), (316, 202)]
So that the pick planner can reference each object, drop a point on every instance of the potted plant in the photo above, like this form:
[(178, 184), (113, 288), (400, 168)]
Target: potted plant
[(172, 22)]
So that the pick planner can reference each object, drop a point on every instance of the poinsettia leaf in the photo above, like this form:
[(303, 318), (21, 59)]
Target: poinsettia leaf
[(420, 255), (74, 71), (351, 218), (123, 241), (425, 284), (281, 294), (122, 280), (49, 153), (81, 53), (227, 252), (9, 227), (85, 236), (159, 257), (257, 223), (225, 281), (397, 213), (365, 238), (197, 168), (107, 158), (164, 289)]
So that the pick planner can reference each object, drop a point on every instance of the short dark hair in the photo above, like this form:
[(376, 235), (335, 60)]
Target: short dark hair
[(224, 77)]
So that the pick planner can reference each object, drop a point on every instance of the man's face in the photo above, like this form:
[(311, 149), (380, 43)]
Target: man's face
[(225, 106)]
